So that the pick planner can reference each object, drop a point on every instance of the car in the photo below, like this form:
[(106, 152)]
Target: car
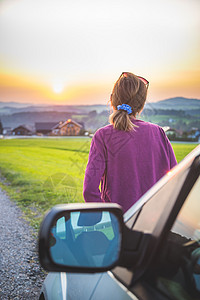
[(152, 252)]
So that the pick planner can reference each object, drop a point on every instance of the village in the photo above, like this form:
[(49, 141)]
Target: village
[(179, 117), (62, 128), (70, 127)]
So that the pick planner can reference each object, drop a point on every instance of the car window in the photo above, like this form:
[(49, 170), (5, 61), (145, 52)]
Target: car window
[(187, 223), (154, 208), (178, 274)]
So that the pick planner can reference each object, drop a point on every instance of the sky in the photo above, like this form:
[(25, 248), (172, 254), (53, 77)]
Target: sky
[(73, 51)]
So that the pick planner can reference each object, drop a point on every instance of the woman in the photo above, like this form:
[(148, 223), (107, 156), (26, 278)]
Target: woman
[(128, 156)]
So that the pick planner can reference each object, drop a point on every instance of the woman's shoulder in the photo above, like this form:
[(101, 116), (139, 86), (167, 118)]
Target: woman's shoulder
[(145, 124), (144, 127), (150, 128), (105, 129)]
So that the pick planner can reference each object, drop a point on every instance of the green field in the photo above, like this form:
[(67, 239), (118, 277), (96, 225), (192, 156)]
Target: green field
[(39, 173)]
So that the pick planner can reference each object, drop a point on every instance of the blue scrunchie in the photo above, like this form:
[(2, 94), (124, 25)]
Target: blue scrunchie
[(125, 107)]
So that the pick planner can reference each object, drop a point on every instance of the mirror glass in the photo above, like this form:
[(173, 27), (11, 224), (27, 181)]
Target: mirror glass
[(85, 239)]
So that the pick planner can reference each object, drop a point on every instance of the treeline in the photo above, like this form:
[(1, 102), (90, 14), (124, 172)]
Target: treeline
[(29, 118), (177, 119), (170, 112)]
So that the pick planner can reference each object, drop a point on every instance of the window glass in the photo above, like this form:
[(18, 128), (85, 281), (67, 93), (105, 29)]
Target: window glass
[(179, 266), (153, 209), (187, 226), (188, 221)]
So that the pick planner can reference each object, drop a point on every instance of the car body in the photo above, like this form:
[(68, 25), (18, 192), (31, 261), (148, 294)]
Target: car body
[(159, 254)]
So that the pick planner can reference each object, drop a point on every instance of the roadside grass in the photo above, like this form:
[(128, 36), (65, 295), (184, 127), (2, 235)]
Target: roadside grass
[(182, 150), (40, 173)]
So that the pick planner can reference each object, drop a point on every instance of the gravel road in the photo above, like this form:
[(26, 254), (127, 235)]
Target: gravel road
[(20, 273)]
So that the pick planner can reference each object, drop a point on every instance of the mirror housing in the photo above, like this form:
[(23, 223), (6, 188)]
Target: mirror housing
[(81, 238)]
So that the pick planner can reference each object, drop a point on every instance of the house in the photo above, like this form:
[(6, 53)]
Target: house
[(173, 133), (56, 129), (7, 130), (44, 127), (194, 133), (22, 130), (67, 128)]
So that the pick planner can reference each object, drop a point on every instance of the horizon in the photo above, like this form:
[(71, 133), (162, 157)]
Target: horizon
[(27, 105), (73, 53)]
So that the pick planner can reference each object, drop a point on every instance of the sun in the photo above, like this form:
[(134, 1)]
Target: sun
[(58, 87)]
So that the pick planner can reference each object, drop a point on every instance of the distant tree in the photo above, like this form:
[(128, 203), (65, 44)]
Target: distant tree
[(185, 134), (104, 113), (1, 128), (82, 131), (92, 114)]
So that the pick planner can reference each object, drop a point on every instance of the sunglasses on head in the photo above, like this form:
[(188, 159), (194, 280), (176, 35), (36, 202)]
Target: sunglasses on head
[(146, 82)]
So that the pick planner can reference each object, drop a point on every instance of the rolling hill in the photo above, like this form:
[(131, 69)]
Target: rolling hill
[(14, 114)]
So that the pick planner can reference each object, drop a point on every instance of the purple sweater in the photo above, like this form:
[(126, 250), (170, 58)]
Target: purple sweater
[(126, 164)]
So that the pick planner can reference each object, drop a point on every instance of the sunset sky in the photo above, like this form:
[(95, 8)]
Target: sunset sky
[(72, 51)]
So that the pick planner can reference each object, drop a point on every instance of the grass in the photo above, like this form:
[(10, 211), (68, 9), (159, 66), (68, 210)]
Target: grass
[(44, 172), (181, 150), (40, 173)]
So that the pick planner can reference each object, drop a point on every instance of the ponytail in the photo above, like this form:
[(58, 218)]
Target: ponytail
[(121, 121)]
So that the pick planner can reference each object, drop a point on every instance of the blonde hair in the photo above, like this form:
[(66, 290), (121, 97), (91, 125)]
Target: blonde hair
[(128, 89)]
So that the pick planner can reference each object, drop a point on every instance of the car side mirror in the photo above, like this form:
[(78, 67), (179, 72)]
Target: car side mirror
[(83, 237)]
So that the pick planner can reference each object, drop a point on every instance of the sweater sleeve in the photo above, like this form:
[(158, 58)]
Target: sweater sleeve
[(173, 161), (170, 151), (94, 170)]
